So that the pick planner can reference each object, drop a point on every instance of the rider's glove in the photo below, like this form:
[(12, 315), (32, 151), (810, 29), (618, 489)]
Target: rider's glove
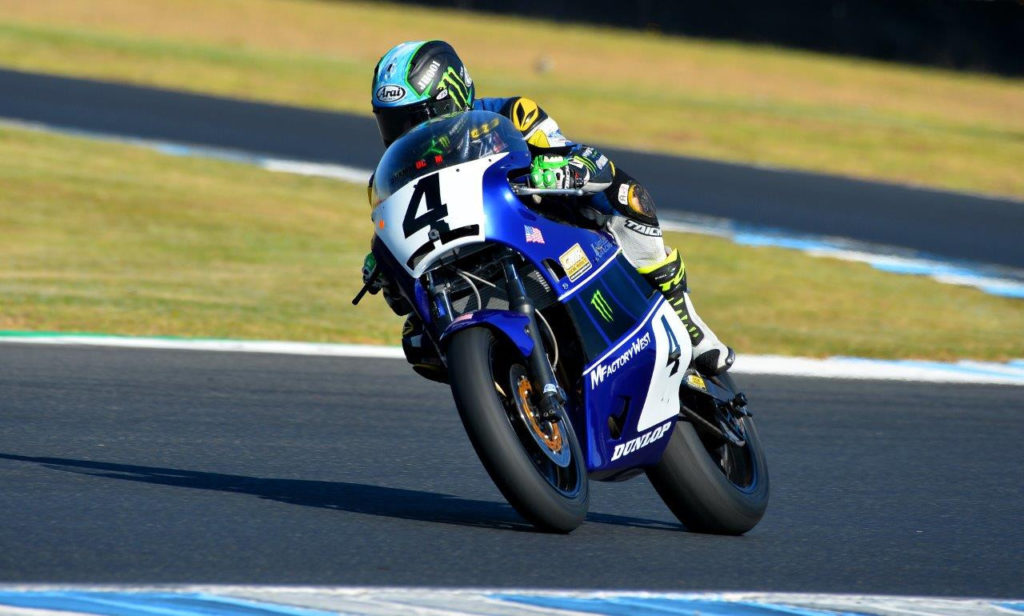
[(558, 172), (375, 281), (372, 277)]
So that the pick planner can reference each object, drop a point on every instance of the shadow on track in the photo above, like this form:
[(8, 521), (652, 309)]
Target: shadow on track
[(343, 496)]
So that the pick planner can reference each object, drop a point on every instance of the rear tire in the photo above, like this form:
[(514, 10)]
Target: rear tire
[(713, 488), (550, 496)]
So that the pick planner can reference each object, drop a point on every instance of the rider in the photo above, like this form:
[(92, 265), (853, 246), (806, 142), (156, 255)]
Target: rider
[(419, 80)]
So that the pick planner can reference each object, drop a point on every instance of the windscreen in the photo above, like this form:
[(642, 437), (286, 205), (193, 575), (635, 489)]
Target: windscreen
[(443, 142)]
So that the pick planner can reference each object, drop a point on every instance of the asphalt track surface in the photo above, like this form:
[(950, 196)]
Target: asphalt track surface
[(140, 466), (944, 224)]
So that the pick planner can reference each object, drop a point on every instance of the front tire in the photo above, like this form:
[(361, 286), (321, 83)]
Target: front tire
[(537, 466), (713, 487)]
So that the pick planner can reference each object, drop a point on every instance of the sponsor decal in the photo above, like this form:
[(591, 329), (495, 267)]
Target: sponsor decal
[(638, 443), (524, 114), (624, 194), (390, 93), (533, 235), (598, 301), (696, 381), (428, 76), (585, 162), (455, 86), (642, 229), (575, 262), (603, 371), (601, 247)]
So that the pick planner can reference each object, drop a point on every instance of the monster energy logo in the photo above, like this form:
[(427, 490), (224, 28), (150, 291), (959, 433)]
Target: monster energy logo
[(456, 87), (586, 162), (438, 146), (601, 304)]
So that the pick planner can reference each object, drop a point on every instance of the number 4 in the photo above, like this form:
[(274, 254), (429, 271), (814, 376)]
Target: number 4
[(674, 352), (428, 187)]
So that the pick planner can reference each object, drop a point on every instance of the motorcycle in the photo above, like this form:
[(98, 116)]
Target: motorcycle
[(566, 366)]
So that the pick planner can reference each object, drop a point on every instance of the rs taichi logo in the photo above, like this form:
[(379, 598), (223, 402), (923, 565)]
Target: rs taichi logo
[(602, 306)]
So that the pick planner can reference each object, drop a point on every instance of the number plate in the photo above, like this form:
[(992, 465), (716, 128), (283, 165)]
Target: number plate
[(434, 214)]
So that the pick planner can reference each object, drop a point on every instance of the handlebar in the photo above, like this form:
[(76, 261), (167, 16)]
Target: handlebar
[(521, 189)]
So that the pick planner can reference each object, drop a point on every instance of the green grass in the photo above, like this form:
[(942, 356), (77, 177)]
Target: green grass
[(772, 300), (100, 237), (115, 239), (640, 90)]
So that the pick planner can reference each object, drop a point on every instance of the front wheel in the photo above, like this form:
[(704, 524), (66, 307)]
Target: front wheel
[(537, 465), (714, 485)]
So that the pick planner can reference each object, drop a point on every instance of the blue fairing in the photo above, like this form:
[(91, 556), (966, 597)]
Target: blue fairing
[(512, 325), (633, 306), (509, 222), (633, 356), (628, 333)]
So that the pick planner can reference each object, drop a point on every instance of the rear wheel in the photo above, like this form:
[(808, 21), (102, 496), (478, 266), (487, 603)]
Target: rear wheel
[(714, 484), (537, 465)]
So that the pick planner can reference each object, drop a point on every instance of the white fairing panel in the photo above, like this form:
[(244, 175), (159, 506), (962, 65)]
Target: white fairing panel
[(450, 199), (662, 401)]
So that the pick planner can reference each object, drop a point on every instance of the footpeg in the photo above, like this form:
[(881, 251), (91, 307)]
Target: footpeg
[(738, 405)]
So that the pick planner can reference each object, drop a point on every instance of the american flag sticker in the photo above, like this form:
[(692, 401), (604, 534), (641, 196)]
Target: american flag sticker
[(533, 235)]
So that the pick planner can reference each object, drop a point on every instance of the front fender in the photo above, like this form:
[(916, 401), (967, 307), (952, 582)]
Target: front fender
[(512, 325)]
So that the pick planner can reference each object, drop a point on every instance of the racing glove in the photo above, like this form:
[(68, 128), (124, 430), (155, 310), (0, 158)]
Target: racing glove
[(371, 277), (376, 281), (558, 172), (584, 167)]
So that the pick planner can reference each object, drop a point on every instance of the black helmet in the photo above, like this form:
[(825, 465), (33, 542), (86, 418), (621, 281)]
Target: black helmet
[(416, 81)]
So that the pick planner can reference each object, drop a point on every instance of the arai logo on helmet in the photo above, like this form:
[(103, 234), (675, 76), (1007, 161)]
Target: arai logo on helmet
[(390, 93)]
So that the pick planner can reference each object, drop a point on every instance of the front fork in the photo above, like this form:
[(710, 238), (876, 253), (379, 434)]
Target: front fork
[(552, 397), (542, 377)]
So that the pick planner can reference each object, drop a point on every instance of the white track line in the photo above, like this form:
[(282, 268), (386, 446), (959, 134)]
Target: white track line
[(393, 601), (833, 368), (229, 346)]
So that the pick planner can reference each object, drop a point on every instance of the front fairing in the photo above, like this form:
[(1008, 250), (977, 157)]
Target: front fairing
[(631, 392), (444, 186)]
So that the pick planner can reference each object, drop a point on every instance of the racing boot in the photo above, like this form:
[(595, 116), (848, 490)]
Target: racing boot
[(420, 351), (710, 356)]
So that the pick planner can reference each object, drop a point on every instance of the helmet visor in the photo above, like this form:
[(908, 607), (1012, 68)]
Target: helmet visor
[(393, 122)]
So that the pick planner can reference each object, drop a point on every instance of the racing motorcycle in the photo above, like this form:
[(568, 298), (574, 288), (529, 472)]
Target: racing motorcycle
[(566, 366)]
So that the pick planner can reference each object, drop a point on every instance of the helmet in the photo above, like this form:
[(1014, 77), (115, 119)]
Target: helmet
[(416, 81)]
